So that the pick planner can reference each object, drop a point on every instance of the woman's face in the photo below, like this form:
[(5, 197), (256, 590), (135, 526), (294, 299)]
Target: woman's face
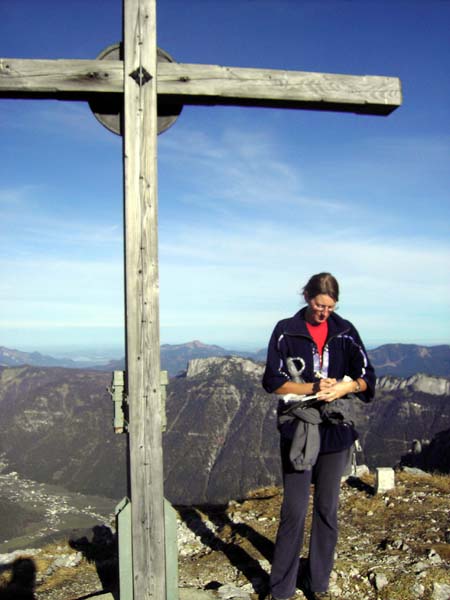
[(319, 308)]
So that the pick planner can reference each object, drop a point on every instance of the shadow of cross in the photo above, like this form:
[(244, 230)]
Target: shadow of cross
[(141, 80)]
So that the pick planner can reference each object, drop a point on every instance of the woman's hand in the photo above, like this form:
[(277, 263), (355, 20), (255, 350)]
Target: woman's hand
[(324, 384), (334, 391)]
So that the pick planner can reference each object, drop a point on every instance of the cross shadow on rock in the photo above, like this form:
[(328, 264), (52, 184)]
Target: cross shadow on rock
[(238, 556), (101, 548)]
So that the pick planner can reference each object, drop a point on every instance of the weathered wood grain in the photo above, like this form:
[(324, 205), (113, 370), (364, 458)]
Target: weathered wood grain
[(207, 84), (142, 301), (210, 84), (32, 77)]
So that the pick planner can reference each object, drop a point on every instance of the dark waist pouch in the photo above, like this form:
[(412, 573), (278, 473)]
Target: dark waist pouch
[(336, 436)]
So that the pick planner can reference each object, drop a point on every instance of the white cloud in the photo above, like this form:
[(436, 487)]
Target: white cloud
[(239, 170), (247, 277), (241, 230), (55, 292)]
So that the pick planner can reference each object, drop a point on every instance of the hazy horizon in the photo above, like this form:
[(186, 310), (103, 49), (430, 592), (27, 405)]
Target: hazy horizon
[(101, 354)]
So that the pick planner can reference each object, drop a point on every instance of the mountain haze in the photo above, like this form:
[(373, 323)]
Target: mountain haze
[(15, 358), (399, 360)]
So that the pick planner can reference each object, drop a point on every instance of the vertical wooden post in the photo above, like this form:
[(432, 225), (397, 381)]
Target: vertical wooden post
[(142, 299)]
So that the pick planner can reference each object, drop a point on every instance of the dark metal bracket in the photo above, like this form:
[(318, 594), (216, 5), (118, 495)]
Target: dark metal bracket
[(141, 76)]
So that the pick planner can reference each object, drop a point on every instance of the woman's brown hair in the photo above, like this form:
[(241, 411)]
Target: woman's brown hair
[(322, 283)]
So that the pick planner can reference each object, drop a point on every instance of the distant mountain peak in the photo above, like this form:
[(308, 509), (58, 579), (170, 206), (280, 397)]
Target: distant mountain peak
[(199, 344), (199, 366)]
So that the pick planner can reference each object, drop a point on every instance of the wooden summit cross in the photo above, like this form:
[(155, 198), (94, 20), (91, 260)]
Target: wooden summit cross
[(139, 80)]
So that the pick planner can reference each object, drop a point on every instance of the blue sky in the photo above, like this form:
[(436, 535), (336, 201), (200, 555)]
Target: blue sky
[(251, 201)]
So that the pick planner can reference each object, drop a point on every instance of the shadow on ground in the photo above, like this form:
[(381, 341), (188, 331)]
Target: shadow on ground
[(237, 556), (22, 580), (101, 548)]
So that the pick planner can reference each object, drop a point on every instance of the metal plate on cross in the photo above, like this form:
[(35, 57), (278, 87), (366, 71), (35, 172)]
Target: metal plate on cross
[(108, 108)]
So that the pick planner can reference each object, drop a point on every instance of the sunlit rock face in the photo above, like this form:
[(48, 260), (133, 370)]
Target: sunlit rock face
[(436, 386), (221, 439), (405, 411), (227, 366)]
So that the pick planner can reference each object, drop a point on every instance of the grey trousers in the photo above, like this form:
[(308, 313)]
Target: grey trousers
[(326, 475)]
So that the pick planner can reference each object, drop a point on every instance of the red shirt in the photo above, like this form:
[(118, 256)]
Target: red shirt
[(319, 334)]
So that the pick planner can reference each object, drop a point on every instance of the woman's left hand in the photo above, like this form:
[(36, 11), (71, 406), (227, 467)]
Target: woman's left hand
[(338, 390)]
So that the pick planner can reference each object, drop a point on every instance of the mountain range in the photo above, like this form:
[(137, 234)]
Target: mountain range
[(401, 360), (221, 438), (16, 358)]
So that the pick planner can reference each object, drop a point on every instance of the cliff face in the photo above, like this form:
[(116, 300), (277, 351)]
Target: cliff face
[(221, 438), (435, 386), (417, 408)]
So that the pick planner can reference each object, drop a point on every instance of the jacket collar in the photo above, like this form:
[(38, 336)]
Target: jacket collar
[(296, 325)]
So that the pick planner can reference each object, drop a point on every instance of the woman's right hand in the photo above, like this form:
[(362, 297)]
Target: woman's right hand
[(324, 384)]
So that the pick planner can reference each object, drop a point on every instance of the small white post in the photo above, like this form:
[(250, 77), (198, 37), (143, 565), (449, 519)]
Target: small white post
[(385, 480)]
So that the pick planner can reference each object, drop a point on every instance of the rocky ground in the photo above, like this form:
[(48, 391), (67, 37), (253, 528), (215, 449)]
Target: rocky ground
[(393, 546)]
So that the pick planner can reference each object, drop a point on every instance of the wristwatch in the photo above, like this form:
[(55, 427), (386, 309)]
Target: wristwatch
[(358, 387)]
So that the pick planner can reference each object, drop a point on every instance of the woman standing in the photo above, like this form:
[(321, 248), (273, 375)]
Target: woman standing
[(314, 353)]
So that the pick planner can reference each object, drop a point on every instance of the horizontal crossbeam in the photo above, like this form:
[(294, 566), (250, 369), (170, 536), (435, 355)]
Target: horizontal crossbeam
[(205, 84), (35, 78), (209, 84)]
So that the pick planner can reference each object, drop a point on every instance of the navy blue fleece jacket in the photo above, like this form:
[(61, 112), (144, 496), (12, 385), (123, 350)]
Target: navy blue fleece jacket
[(292, 354)]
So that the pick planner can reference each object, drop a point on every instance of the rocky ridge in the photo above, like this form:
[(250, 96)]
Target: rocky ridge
[(419, 382), (226, 365)]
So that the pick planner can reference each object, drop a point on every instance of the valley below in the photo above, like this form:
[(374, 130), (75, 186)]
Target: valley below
[(34, 513)]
